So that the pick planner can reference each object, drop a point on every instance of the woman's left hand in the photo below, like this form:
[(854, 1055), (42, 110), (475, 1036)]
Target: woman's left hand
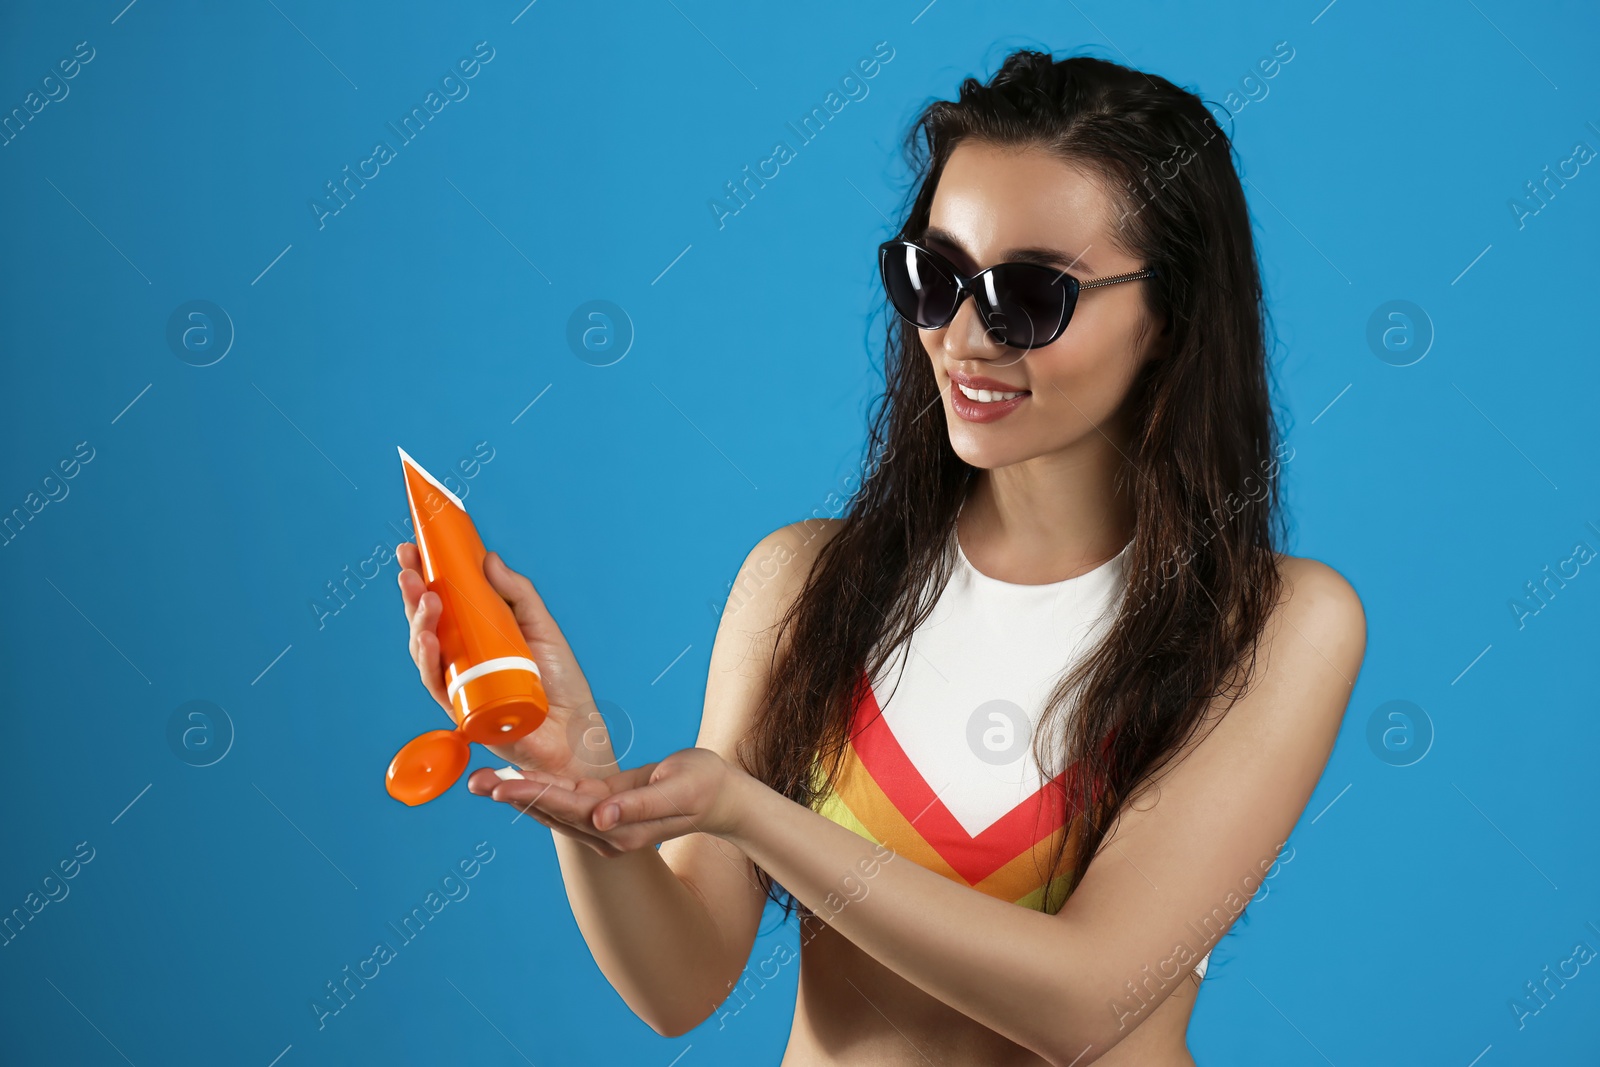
[(690, 791)]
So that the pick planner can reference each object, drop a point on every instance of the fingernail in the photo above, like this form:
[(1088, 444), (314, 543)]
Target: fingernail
[(608, 816)]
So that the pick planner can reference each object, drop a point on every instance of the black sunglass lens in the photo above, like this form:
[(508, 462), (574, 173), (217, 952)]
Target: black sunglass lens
[(1026, 305), (920, 288)]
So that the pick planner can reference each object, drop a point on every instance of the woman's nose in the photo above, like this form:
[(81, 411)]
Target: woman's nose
[(968, 337)]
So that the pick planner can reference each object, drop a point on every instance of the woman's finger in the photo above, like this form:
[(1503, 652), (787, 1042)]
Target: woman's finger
[(629, 836), (559, 809), (565, 812), (598, 844), (530, 789), (592, 786), (431, 665), (482, 781), (424, 640), (565, 805), (560, 827), (410, 562), (426, 617), (631, 778), (412, 590), (568, 805), (670, 797)]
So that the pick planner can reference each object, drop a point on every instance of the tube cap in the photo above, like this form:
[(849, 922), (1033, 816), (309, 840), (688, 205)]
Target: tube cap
[(427, 766)]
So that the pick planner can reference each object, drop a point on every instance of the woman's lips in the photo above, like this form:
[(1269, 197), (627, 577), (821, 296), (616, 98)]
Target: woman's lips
[(978, 411)]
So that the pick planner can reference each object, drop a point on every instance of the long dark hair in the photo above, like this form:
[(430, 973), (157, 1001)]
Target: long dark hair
[(1202, 472)]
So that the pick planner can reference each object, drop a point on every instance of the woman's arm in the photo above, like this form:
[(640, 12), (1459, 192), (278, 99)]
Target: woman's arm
[(672, 929), (1182, 862)]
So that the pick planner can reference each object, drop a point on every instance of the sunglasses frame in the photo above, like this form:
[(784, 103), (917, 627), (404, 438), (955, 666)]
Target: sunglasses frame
[(968, 284)]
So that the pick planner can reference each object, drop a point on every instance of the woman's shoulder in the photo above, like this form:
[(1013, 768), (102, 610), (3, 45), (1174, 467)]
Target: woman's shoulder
[(801, 541), (1319, 597), (775, 569), (792, 548), (749, 641)]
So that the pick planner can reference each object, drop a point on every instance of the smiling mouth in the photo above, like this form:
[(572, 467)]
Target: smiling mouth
[(988, 396)]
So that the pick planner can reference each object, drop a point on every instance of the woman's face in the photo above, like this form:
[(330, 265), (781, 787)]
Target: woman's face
[(989, 202)]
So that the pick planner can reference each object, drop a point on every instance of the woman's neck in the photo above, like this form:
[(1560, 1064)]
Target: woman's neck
[(1049, 518)]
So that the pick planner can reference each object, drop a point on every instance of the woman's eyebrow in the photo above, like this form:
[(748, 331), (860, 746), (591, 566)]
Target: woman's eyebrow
[(1045, 257)]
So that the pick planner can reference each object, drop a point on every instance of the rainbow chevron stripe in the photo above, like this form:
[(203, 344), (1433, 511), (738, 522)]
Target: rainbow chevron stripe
[(880, 795)]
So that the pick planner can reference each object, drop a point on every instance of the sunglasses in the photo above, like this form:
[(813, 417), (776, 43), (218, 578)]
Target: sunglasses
[(1024, 305)]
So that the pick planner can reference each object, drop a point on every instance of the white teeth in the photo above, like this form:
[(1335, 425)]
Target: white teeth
[(986, 396)]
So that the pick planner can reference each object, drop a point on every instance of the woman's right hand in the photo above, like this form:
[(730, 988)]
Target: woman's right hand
[(572, 742)]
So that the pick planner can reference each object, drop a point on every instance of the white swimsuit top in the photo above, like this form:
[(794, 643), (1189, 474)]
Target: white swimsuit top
[(939, 765)]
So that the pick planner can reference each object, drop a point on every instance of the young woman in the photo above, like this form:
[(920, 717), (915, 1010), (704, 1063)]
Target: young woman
[(1021, 732)]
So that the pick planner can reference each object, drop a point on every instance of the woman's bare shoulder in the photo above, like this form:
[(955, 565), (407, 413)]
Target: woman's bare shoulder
[(747, 643), (804, 538), (1323, 607), (774, 571), (1310, 579)]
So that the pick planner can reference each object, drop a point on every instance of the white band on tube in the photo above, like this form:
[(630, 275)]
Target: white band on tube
[(491, 666)]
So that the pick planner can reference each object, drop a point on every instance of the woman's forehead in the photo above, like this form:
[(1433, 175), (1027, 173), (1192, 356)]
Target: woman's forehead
[(994, 199)]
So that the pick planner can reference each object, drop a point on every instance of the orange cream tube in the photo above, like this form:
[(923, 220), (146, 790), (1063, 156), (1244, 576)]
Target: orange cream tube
[(493, 685)]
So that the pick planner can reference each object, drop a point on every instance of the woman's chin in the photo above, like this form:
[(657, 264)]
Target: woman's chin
[(987, 448)]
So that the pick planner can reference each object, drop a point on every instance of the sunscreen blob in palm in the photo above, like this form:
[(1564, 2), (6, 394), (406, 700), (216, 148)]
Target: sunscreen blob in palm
[(495, 691)]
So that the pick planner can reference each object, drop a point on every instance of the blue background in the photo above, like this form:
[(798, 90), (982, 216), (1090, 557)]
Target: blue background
[(433, 309)]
